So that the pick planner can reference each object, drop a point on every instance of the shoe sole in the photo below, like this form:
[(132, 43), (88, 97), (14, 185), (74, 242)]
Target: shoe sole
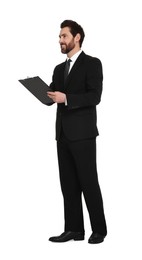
[(75, 239)]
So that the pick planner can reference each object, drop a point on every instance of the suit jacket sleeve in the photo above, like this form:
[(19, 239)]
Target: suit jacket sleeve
[(93, 86)]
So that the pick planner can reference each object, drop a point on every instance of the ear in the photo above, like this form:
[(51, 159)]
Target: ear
[(77, 37)]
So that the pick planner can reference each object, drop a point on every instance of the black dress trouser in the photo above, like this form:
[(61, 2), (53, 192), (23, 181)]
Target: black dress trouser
[(78, 174)]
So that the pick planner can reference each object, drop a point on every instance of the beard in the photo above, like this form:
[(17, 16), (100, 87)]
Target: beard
[(66, 48)]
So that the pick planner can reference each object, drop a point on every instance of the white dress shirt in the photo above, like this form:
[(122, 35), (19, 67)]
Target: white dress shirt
[(74, 58)]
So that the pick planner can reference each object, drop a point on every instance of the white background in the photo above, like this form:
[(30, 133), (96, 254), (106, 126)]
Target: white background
[(31, 205)]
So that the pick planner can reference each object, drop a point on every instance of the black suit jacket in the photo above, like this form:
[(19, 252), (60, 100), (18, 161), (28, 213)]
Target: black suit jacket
[(83, 89)]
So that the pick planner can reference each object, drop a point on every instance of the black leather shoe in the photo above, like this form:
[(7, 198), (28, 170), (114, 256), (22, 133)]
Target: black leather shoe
[(68, 235), (96, 238)]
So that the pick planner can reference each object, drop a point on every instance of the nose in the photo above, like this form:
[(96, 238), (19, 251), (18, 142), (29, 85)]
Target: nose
[(60, 41)]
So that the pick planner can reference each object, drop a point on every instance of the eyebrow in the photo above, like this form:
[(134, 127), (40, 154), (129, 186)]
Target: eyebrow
[(63, 34)]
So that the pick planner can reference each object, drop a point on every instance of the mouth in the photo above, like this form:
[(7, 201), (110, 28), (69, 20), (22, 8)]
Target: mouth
[(63, 45), (63, 48)]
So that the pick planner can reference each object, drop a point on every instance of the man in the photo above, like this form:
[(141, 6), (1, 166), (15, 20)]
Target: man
[(77, 95)]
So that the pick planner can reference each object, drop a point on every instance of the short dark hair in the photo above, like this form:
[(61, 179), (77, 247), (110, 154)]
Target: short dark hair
[(74, 29)]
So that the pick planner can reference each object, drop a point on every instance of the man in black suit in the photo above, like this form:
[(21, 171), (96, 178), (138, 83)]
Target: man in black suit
[(77, 92)]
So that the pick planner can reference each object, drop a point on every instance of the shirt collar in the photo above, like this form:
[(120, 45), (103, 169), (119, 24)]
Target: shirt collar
[(75, 56)]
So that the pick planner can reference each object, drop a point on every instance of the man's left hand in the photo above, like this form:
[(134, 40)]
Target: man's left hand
[(57, 97)]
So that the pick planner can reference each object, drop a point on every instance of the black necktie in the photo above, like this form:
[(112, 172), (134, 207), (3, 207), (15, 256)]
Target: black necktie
[(67, 66)]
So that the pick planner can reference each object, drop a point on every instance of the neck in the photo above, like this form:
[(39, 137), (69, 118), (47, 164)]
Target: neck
[(73, 51)]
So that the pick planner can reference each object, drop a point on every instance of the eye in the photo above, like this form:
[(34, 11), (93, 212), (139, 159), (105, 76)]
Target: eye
[(64, 36)]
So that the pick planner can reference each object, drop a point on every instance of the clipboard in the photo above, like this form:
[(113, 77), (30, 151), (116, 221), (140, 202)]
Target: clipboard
[(38, 88)]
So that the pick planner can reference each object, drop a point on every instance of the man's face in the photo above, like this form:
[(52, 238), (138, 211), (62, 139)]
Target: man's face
[(66, 40)]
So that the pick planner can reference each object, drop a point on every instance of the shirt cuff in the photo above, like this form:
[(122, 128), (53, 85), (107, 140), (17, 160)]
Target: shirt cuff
[(66, 103)]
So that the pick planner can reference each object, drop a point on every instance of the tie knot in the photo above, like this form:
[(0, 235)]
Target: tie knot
[(68, 61)]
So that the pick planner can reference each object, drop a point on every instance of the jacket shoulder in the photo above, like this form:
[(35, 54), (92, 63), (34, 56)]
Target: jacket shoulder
[(60, 65), (92, 59)]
